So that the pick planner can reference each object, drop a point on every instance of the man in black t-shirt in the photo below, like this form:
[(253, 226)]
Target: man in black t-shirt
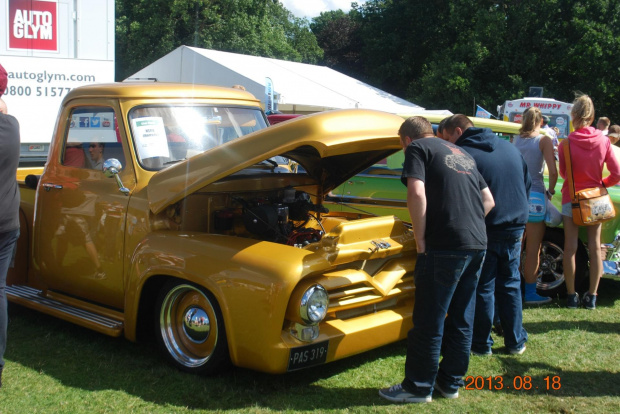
[(447, 200), (9, 206)]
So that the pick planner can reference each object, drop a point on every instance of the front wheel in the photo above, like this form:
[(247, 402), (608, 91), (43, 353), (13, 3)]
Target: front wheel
[(550, 281), (190, 328)]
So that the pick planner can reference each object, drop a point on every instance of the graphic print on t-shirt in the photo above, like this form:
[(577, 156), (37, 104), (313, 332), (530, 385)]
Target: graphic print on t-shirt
[(458, 161)]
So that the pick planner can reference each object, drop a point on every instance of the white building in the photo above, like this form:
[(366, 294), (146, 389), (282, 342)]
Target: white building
[(48, 48)]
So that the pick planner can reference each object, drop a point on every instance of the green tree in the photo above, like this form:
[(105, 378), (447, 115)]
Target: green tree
[(148, 29), (436, 53), (399, 37), (323, 20), (338, 35), (468, 67), (448, 54)]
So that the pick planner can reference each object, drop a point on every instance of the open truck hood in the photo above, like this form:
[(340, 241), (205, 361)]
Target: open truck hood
[(331, 146)]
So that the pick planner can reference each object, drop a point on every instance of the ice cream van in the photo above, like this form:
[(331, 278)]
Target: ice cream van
[(558, 112)]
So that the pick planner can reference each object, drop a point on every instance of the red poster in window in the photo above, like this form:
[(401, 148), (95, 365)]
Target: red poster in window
[(33, 24)]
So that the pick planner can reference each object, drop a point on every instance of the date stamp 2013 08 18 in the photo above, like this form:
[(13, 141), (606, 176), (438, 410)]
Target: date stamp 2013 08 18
[(519, 383)]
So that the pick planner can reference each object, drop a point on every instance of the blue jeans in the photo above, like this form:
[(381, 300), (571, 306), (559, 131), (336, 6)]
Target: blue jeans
[(445, 284), (500, 280), (8, 243)]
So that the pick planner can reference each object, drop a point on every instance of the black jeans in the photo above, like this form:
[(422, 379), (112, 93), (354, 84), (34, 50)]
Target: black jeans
[(8, 243), (445, 284)]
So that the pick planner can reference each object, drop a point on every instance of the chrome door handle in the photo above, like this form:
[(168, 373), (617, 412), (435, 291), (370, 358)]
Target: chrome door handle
[(49, 186)]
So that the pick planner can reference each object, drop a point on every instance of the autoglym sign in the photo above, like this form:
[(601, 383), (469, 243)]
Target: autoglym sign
[(33, 25)]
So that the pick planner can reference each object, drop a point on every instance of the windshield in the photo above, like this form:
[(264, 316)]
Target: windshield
[(163, 135)]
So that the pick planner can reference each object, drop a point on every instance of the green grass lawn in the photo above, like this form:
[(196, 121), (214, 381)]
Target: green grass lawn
[(55, 367)]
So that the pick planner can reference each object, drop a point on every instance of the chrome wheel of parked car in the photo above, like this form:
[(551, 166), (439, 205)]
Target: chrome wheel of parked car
[(190, 328), (551, 280)]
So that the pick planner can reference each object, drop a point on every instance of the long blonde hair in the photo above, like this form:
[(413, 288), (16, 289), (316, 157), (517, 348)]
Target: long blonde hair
[(582, 113), (532, 119)]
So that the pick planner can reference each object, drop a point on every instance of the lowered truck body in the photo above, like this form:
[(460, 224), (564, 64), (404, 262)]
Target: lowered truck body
[(194, 233)]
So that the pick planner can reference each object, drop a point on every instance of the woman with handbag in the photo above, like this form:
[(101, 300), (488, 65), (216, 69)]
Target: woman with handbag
[(582, 156), (537, 149)]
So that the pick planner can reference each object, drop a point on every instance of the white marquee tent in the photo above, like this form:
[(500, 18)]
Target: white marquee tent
[(298, 87)]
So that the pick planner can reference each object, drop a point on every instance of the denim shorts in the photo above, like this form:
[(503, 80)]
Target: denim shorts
[(567, 209)]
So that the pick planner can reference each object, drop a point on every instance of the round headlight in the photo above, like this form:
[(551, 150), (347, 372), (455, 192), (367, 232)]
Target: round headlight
[(313, 307)]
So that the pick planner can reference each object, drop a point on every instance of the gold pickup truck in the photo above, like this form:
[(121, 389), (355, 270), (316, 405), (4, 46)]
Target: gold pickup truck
[(163, 213)]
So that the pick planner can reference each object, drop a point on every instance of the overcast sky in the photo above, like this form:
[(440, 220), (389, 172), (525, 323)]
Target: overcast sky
[(312, 8)]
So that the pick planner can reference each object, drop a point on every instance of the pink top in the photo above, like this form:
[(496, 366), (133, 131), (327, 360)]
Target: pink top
[(589, 150)]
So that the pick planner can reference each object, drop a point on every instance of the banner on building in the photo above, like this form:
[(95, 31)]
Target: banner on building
[(33, 25), (269, 101)]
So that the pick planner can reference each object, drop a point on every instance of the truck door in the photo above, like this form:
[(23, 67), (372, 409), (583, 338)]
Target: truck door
[(81, 214)]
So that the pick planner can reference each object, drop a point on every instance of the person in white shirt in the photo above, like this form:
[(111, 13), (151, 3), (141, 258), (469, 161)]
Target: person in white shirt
[(603, 124)]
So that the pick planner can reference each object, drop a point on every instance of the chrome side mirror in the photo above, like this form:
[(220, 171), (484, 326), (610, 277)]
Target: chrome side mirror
[(111, 168)]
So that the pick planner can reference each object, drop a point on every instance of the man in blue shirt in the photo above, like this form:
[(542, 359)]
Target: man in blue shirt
[(503, 168)]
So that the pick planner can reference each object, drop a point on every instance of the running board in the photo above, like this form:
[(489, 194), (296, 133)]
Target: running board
[(34, 299)]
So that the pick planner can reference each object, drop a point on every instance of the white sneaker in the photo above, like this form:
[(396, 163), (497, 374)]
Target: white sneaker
[(450, 395)]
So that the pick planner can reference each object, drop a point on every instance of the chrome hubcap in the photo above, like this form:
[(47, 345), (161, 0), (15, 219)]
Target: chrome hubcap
[(188, 325), (196, 324)]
